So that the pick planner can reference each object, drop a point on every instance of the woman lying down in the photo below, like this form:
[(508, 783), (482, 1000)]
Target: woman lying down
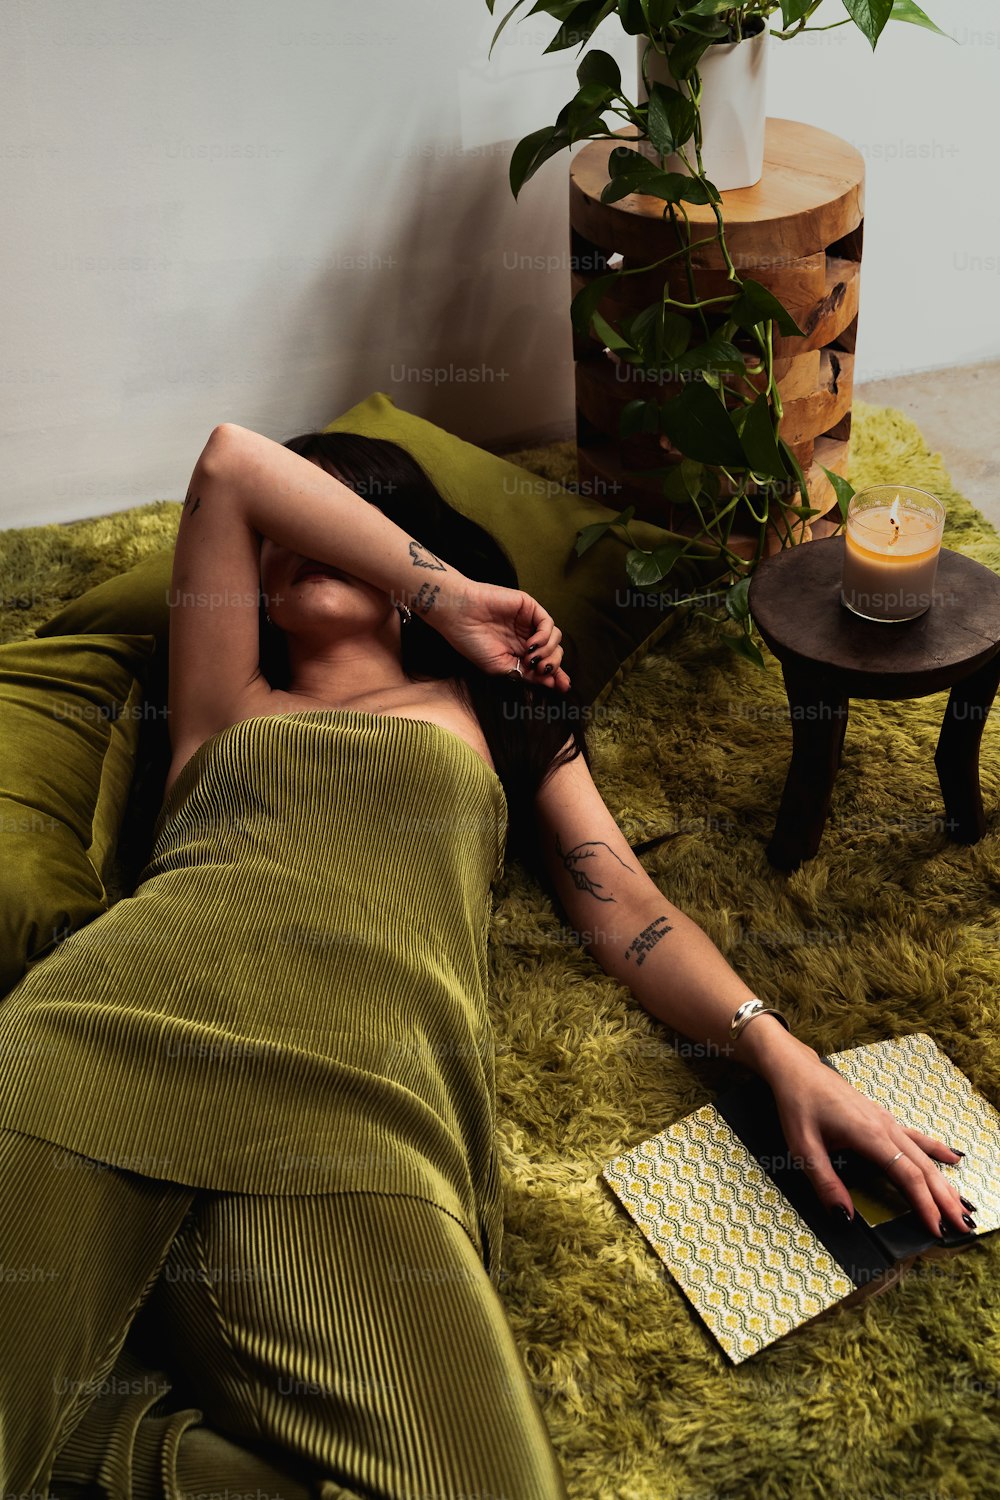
[(257, 1096)]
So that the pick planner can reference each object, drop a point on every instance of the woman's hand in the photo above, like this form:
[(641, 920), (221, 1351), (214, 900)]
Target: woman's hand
[(501, 630), (821, 1113)]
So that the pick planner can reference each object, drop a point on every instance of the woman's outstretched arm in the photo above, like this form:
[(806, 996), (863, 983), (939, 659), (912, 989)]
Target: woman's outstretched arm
[(676, 972), (245, 487)]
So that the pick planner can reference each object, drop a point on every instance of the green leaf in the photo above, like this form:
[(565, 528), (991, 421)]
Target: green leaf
[(660, 13), (646, 568), (698, 424), (626, 161), (631, 15), (580, 26), (639, 416), (737, 604), (579, 117), (675, 486), (685, 55), (744, 646), (589, 298), (672, 187), (691, 476), (516, 6), (666, 555), (660, 335), (590, 534), (716, 354), (755, 304), (843, 489), (905, 10), (671, 118), (870, 16), (759, 442), (532, 151), (642, 568), (609, 336), (600, 67), (795, 468), (794, 10)]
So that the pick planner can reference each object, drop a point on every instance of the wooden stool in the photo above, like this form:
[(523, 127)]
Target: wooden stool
[(798, 232), (829, 655)]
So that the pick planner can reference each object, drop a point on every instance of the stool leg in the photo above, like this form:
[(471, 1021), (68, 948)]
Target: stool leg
[(819, 711), (957, 753)]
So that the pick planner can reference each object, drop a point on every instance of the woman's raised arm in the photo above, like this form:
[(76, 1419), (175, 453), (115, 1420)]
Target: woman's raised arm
[(245, 487), (676, 972)]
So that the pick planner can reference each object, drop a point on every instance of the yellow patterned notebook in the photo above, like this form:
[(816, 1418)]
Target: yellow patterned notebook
[(741, 1230)]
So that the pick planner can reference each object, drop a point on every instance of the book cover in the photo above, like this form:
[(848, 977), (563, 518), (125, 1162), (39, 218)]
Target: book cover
[(735, 1219)]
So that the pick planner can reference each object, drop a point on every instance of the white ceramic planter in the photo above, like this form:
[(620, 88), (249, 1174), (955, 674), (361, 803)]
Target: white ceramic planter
[(733, 108)]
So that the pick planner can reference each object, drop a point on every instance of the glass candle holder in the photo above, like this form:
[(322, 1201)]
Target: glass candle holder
[(891, 549)]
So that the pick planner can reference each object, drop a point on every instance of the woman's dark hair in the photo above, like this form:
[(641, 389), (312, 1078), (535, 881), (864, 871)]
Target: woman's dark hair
[(529, 730)]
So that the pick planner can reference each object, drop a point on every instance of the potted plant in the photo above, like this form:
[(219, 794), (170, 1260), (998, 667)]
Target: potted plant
[(717, 410), (715, 51)]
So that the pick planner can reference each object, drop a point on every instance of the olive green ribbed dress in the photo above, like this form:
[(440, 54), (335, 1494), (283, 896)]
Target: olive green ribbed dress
[(294, 999)]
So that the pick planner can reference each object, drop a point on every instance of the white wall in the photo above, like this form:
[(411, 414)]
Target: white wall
[(234, 210)]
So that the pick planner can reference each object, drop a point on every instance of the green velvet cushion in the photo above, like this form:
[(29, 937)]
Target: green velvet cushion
[(70, 709), (534, 520)]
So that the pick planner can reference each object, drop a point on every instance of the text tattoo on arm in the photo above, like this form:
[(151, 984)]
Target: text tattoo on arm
[(583, 871), (423, 557), (425, 599), (647, 940)]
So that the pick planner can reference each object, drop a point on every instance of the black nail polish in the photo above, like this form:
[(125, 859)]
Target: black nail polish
[(966, 1204), (957, 1152), (944, 1229), (838, 1208), (967, 1220), (534, 661), (549, 669)]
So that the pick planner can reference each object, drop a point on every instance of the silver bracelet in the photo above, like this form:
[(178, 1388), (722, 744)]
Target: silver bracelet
[(748, 1011)]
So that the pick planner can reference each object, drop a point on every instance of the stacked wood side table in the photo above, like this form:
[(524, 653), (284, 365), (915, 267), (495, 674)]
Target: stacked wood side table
[(829, 655), (799, 233)]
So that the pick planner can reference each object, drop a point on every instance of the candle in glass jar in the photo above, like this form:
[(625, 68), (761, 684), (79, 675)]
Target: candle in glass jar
[(891, 550)]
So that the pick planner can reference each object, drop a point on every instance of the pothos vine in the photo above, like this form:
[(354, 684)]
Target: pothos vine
[(724, 423)]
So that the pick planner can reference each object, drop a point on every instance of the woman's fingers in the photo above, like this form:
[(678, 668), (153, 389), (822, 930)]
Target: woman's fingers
[(820, 1112), (544, 654), (816, 1163), (543, 643), (922, 1150), (933, 1197), (935, 1148), (936, 1201)]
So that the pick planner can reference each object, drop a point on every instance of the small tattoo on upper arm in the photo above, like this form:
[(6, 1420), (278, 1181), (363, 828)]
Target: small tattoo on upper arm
[(426, 597), (187, 502), (423, 557), (582, 875), (647, 939)]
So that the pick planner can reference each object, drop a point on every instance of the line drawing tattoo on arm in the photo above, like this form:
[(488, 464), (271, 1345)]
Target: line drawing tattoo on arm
[(647, 940), (423, 557), (426, 597), (582, 873), (187, 502)]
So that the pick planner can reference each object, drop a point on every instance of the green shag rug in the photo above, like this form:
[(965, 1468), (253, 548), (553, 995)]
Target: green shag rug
[(890, 929)]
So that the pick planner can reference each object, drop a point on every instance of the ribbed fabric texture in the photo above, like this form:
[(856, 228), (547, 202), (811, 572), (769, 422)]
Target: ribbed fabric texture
[(335, 1346), (294, 999)]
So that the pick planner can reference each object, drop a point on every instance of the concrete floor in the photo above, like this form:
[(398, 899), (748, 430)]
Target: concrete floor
[(956, 410)]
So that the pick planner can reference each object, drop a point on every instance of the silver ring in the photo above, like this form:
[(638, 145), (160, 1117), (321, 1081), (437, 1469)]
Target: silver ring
[(516, 670), (891, 1160)]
